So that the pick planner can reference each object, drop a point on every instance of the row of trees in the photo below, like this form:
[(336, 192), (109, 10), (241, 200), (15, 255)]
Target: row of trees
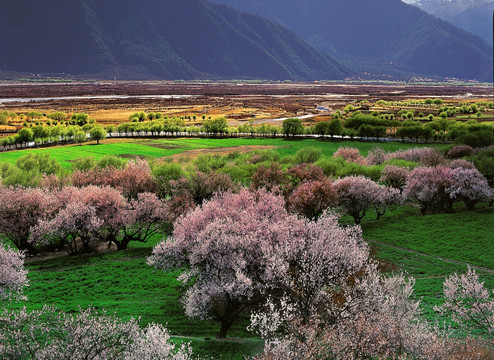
[(362, 184), (78, 218), (363, 126), (41, 134)]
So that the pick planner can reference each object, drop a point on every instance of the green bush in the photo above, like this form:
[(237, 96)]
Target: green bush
[(484, 162), (85, 163), (111, 161), (163, 174), (401, 163), (207, 162), (330, 165), (476, 139), (37, 162), (307, 155), (241, 174)]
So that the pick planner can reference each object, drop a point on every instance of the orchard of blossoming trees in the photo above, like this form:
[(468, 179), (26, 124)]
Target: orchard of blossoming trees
[(251, 234)]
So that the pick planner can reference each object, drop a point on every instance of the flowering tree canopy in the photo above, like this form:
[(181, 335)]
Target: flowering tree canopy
[(427, 186), (356, 194), (350, 154), (469, 186), (49, 334), (228, 244), (241, 247), (20, 209), (311, 198), (12, 273), (469, 303)]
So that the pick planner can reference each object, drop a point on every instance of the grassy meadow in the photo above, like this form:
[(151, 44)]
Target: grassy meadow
[(152, 149), (426, 247)]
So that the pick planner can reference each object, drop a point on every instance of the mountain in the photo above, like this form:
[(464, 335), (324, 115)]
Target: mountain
[(385, 36), (153, 39), (474, 16)]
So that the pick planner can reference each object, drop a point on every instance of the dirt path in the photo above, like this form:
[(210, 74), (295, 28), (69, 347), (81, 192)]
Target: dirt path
[(451, 261)]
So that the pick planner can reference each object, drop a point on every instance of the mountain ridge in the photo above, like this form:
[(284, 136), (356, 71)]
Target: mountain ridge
[(383, 35), (152, 39)]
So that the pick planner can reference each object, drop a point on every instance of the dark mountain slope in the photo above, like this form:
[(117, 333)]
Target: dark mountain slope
[(385, 35), (153, 39), (474, 16), (477, 20)]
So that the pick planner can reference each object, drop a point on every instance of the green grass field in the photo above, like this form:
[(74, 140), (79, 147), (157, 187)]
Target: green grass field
[(157, 148), (431, 247)]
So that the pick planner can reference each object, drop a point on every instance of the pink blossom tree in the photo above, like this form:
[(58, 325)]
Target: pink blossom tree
[(376, 156), (350, 154), (110, 208), (388, 196), (460, 151), (427, 186), (305, 172), (319, 265), (102, 214), (76, 225), (134, 178), (20, 209), (12, 273), (424, 155), (311, 198), (272, 177), (395, 176), (240, 247), (377, 317), (228, 246), (356, 194), (145, 216), (460, 163), (469, 186)]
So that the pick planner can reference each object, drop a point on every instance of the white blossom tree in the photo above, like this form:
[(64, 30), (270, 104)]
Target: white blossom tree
[(12, 273)]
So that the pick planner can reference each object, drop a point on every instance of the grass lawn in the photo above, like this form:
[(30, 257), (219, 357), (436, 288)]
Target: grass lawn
[(431, 247), (157, 148)]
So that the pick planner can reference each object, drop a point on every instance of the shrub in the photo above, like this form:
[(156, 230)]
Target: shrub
[(395, 176), (163, 174), (269, 177), (350, 154), (460, 151), (307, 155), (312, 198), (477, 139), (484, 162)]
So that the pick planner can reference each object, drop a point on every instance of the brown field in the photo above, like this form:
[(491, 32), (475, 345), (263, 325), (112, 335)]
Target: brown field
[(237, 102)]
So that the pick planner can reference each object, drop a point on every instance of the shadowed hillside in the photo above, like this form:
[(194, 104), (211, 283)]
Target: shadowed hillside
[(142, 39), (381, 36)]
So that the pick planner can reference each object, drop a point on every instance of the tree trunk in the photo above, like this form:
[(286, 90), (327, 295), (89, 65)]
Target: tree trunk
[(225, 326)]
